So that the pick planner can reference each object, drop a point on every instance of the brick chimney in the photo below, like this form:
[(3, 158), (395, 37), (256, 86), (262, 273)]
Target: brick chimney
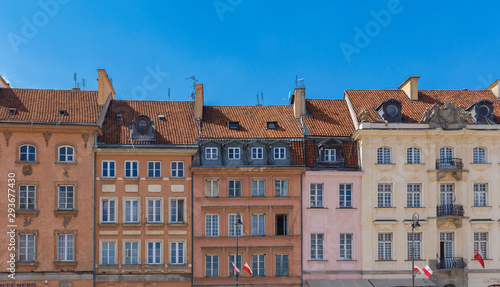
[(3, 83), (299, 102), (104, 87), (410, 87), (494, 87), (198, 101)]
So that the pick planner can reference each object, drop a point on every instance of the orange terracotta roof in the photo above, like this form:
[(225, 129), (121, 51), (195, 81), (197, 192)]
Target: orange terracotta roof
[(37, 105), (349, 151), (297, 148), (328, 118), (179, 126), (252, 122), (413, 110), (311, 152)]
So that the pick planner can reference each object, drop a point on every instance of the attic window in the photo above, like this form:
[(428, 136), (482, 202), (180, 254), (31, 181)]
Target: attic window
[(272, 125), (142, 127), (62, 112), (119, 117), (483, 111), (161, 118), (12, 111), (233, 125)]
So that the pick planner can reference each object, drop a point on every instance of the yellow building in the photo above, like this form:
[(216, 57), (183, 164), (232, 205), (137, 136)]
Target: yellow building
[(434, 153)]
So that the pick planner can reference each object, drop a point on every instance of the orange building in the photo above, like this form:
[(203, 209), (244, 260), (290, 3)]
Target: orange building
[(47, 177), (143, 194)]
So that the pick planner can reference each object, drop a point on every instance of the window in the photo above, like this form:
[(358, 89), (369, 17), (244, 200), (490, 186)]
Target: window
[(211, 153), (177, 211), (281, 224), (236, 261), (27, 152), (131, 252), (108, 168), (131, 169), (345, 246), (259, 265), (154, 169), (258, 187), (480, 194), (65, 247), (108, 252), (142, 127), (154, 210), (281, 264), (330, 155), (345, 195), (211, 225), (257, 153), (317, 246), (233, 153), (447, 195), (417, 237), (108, 211), (479, 155), (481, 242), (384, 195), (279, 153), (235, 188), (131, 211), (232, 225), (177, 169), (385, 246), (154, 252), (258, 224), (316, 195), (66, 197), (384, 155), (413, 155), (27, 197), (66, 154), (272, 125), (177, 253), (281, 187), (233, 125), (26, 252), (413, 194), (212, 265), (212, 187)]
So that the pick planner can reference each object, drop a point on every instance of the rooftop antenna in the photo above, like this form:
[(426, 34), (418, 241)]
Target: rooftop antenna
[(83, 83), (258, 98), (169, 94), (262, 97), (193, 93), (299, 83), (75, 78)]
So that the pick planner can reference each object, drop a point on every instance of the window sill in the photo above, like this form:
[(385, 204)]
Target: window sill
[(486, 206), (420, 163), (27, 264), (382, 164), (131, 178), (26, 162), (102, 224), (317, 208), (409, 260), (108, 178), (414, 207), (66, 162), (155, 224), (131, 224), (346, 207), (34, 212), (154, 178), (65, 264), (388, 260), (177, 224), (385, 207), (481, 163), (60, 212), (177, 178), (347, 260), (321, 260)]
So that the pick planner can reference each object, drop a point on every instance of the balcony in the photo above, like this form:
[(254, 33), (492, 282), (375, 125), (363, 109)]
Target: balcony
[(451, 263), (451, 165), (450, 210)]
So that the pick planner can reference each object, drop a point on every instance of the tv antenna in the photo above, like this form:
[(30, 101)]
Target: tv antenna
[(299, 83), (262, 97), (289, 97), (83, 83), (169, 94), (75, 79), (193, 93)]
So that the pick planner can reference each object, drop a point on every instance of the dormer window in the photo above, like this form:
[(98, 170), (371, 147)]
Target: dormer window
[(390, 110), (161, 118), (62, 112), (119, 117), (142, 129), (482, 111), (12, 111), (233, 125), (272, 125)]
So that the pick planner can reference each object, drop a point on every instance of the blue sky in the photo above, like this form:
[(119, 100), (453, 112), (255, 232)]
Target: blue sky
[(238, 47)]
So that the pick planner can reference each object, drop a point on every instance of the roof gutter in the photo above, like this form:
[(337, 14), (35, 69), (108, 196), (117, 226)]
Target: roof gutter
[(49, 123), (155, 146)]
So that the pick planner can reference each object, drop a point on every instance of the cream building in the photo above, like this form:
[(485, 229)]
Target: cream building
[(435, 153)]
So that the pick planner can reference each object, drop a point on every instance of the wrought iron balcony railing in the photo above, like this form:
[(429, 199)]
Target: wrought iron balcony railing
[(450, 163), (451, 263), (450, 210)]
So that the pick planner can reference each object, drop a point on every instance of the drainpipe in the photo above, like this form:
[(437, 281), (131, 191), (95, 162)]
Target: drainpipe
[(192, 228), (301, 233), (95, 210)]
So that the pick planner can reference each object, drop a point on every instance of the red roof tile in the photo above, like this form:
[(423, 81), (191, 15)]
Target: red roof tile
[(297, 148), (179, 126), (311, 152), (349, 151), (37, 105), (328, 118)]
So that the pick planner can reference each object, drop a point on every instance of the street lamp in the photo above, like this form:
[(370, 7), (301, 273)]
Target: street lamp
[(238, 224), (414, 224)]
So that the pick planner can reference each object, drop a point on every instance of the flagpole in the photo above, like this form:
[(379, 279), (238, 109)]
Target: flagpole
[(414, 224)]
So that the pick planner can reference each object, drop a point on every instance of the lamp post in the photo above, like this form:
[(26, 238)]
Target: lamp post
[(238, 224), (414, 224)]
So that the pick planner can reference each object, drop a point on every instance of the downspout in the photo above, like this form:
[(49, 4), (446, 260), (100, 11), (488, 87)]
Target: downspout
[(192, 228), (95, 208), (301, 233)]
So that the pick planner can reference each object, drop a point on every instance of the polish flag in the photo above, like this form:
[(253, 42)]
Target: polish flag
[(418, 269), (236, 268), (437, 258), (479, 257), (246, 267), (427, 270)]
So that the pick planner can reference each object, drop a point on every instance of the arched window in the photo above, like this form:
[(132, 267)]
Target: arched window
[(479, 155), (384, 155), (142, 127), (413, 155), (27, 152), (66, 154)]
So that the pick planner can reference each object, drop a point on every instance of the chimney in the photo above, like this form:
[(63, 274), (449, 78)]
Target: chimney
[(104, 87), (3, 83), (494, 87), (299, 102), (198, 101), (410, 87)]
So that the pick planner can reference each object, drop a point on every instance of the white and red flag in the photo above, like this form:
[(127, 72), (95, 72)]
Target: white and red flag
[(418, 269), (479, 257), (236, 268), (246, 267), (437, 258), (427, 270)]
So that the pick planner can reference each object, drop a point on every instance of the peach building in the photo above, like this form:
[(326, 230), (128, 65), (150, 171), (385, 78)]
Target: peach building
[(47, 165), (143, 194)]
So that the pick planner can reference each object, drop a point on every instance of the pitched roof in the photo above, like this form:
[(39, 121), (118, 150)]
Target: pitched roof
[(328, 118), (412, 111), (252, 122), (37, 105), (297, 149), (179, 126)]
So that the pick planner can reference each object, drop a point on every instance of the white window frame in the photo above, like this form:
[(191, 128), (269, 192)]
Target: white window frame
[(212, 225), (330, 155), (481, 240), (345, 199), (413, 155), (212, 272), (109, 214), (67, 156), (28, 153), (211, 153), (131, 169), (317, 246), (345, 248), (280, 190), (155, 212), (283, 271), (384, 155), (384, 195), (130, 254), (384, 246), (155, 169), (257, 153), (67, 200), (26, 251), (237, 187), (24, 201), (479, 155), (155, 251), (210, 190), (173, 251), (110, 171), (418, 245), (257, 189), (279, 153), (238, 262), (258, 224), (174, 217), (233, 153), (131, 211), (413, 195), (480, 194), (316, 195), (102, 253), (177, 169), (231, 219), (68, 247), (257, 261)]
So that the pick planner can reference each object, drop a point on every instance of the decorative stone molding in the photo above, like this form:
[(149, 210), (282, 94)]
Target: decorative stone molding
[(7, 136), (448, 115), (449, 222), (85, 138), (27, 170), (46, 137)]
